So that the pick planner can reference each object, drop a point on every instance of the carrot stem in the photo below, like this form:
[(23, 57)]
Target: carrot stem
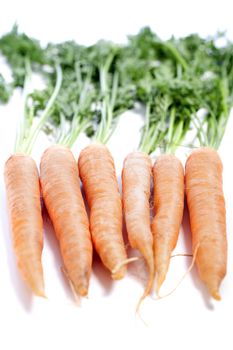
[(27, 134), (45, 114), (109, 92), (79, 124)]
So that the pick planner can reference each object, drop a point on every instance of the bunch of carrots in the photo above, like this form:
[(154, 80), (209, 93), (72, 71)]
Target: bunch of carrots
[(91, 101)]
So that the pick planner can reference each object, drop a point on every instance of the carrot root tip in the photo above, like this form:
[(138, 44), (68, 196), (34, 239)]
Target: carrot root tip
[(117, 272), (80, 291), (83, 292), (215, 294), (160, 280), (41, 294), (161, 275)]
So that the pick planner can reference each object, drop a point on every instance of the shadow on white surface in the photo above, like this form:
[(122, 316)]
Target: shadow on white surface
[(102, 275), (194, 273), (138, 269), (21, 290)]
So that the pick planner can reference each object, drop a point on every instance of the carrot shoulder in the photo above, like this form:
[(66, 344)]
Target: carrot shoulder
[(23, 195), (63, 199), (97, 172), (136, 181), (203, 175), (168, 205)]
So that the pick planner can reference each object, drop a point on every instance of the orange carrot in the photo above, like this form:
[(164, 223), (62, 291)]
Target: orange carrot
[(97, 172), (23, 195), (203, 176), (136, 180), (63, 199), (168, 204)]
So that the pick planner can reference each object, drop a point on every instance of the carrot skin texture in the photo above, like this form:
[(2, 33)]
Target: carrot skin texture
[(168, 175), (63, 199), (24, 206), (206, 204), (97, 172), (136, 181)]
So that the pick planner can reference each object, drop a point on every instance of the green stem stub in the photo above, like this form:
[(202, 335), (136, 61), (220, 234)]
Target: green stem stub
[(81, 119), (108, 90), (218, 106), (165, 127), (28, 131)]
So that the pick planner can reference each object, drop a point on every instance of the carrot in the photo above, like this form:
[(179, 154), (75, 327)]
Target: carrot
[(97, 172), (23, 191), (23, 195), (136, 180), (168, 204), (165, 129), (203, 178), (61, 184), (98, 175), (63, 199)]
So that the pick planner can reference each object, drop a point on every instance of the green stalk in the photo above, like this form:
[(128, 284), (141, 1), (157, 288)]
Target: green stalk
[(144, 138), (176, 55), (225, 114), (170, 132), (26, 141), (45, 114), (78, 123), (108, 121), (23, 126), (155, 129), (216, 120)]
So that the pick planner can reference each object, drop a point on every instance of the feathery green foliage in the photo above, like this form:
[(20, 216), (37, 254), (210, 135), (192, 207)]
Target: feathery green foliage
[(173, 78)]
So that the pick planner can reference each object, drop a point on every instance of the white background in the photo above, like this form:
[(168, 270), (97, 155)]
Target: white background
[(187, 319)]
